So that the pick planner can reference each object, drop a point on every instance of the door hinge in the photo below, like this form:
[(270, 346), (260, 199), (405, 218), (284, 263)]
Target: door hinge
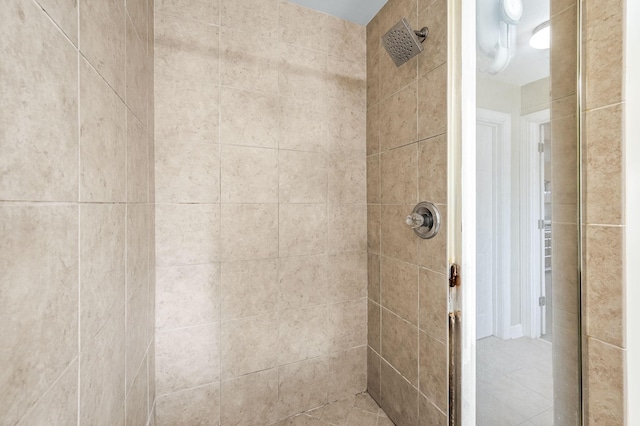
[(454, 276), (542, 301), (540, 223), (540, 147)]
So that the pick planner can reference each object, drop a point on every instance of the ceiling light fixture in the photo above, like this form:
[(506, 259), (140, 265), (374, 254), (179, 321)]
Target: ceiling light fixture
[(541, 38)]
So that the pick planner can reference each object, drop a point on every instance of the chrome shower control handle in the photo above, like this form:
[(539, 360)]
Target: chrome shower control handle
[(424, 220), (415, 220)]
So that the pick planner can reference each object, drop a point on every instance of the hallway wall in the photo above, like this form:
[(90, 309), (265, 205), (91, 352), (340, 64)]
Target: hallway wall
[(76, 212), (407, 163), (261, 210)]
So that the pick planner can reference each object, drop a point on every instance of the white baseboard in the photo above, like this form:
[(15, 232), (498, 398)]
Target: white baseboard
[(515, 332)]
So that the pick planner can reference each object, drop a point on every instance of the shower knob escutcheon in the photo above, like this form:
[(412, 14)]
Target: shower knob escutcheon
[(424, 220)]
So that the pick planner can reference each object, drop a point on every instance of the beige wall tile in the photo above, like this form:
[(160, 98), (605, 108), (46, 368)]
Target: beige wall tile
[(604, 51), (102, 40), (347, 276), (199, 10), (65, 14), (59, 405), (187, 234), (346, 81), (303, 281), (303, 124), (434, 293), (261, 16), (250, 399), (605, 284), (137, 74), (373, 35), (430, 415), (303, 229), (347, 227), (137, 160), (302, 386), (249, 288), (604, 197), (373, 375), (103, 139), (393, 79), (373, 268), (102, 266), (397, 333), (187, 172), (137, 10), (432, 170), (563, 56), (40, 133), (186, 80), (302, 72), (303, 177), (249, 118), (399, 288), (294, 24), (249, 175), (434, 379), (347, 131), (187, 357), (373, 228), (432, 103), (433, 16), (398, 170), (565, 174), (199, 406), (260, 242), (398, 118), (432, 254), (398, 398), (353, 313), (347, 373), (605, 383), (347, 179), (373, 129), (373, 80), (187, 296), (249, 345), (398, 240), (565, 261), (41, 300), (373, 325), (137, 411), (346, 39), (248, 61), (373, 179), (308, 325)]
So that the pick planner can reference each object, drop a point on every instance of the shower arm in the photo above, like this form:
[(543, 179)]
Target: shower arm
[(422, 34)]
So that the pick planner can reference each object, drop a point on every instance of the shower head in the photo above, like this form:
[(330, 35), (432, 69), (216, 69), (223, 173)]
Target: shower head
[(402, 43)]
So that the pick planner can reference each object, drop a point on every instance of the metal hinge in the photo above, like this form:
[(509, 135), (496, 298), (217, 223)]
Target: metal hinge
[(540, 223), (454, 276), (542, 301), (540, 147)]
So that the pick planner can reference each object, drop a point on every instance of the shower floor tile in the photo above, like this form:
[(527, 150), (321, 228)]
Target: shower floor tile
[(360, 410)]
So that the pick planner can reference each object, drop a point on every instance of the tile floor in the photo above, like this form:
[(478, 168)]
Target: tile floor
[(514, 382), (360, 410)]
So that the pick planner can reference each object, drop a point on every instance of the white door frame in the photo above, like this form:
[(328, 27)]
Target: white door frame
[(532, 243), (501, 175)]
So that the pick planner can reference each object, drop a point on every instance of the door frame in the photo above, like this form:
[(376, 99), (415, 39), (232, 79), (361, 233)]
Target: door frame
[(500, 122), (532, 243)]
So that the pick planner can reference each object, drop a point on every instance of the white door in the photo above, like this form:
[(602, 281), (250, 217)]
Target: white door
[(485, 261)]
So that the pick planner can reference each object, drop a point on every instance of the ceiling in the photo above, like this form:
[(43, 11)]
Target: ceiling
[(528, 64), (358, 11)]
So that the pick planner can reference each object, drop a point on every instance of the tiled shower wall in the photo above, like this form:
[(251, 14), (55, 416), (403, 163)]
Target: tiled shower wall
[(407, 163), (604, 210), (261, 210), (76, 212)]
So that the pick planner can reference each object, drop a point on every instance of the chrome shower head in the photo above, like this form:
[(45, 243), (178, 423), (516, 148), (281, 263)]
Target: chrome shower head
[(402, 43)]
